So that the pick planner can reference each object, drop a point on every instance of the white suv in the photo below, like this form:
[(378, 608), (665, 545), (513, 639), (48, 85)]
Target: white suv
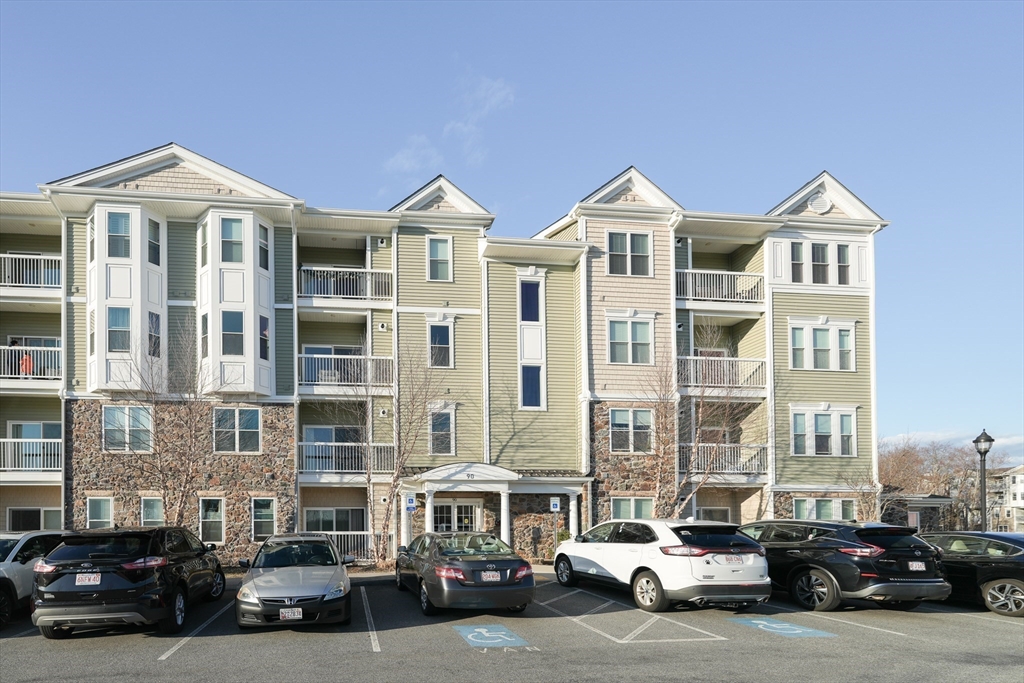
[(668, 560), (18, 553)]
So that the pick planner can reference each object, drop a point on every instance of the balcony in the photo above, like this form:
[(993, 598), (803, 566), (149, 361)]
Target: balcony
[(720, 287), (345, 458), (30, 370), (727, 458), (346, 375), (344, 284), (31, 460), (710, 372), (30, 271)]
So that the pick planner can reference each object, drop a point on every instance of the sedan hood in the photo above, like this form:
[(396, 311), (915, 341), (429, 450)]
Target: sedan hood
[(282, 582)]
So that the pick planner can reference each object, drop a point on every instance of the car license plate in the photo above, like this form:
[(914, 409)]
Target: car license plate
[(915, 566), (87, 580), (293, 613), (490, 576), (733, 559)]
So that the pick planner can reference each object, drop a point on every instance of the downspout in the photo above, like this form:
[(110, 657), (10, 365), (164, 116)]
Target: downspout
[(400, 533), (486, 355), (296, 427), (673, 223), (585, 394), (871, 350), (62, 392)]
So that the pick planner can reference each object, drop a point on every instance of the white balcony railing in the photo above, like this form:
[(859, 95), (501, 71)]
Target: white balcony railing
[(720, 285), (345, 457), (345, 371), (31, 455), (712, 372), (357, 543), (29, 362), (345, 283), (726, 458), (30, 271)]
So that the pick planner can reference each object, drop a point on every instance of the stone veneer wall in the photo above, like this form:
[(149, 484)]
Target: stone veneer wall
[(236, 477)]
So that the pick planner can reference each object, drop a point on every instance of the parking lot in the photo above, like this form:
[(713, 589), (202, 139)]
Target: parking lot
[(569, 634)]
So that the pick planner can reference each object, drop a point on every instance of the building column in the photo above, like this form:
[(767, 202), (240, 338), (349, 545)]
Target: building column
[(406, 524), (574, 513), (506, 521), (428, 521)]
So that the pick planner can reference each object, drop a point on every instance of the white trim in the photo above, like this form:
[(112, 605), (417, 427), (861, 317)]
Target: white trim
[(142, 510), (629, 252), (237, 429), (632, 507), (223, 520), (812, 508), (835, 413), (442, 321), (451, 257), (630, 313), (252, 517), (538, 276), (629, 323), (448, 408), (88, 516), (826, 183), (632, 430), (834, 326), (127, 428)]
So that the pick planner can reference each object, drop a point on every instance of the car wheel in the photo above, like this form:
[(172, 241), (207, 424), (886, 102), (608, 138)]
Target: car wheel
[(1005, 596), (426, 606), (175, 621), (564, 573), (814, 590), (54, 633), (900, 605), (517, 608), (398, 580), (648, 593), (6, 607), (217, 588)]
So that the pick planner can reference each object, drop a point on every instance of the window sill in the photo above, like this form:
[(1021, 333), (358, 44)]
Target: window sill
[(804, 455), (649, 277), (854, 371)]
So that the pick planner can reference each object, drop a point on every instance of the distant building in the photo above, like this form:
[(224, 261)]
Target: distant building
[(1006, 499)]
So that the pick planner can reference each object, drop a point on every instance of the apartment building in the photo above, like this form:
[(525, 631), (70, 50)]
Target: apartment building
[(182, 343), (1006, 499)]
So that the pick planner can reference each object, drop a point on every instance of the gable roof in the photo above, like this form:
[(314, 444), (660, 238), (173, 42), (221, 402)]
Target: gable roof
[(440, 194), (634, 186), (833, 194), (174, 168)]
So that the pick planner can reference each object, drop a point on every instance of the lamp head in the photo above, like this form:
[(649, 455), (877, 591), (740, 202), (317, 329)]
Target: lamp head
[(983, 443)]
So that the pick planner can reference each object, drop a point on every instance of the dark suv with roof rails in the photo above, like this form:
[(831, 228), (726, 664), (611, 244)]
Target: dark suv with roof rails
[(109, 577), (821, 563)]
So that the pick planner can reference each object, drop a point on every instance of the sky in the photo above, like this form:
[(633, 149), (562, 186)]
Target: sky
[(917, 107)]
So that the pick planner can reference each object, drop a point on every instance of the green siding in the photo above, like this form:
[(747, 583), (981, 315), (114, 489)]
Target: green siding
[(683, 335), (181, 346), (23, 241), (75, 259), (682, 263), (415, 290), (284, 351), (706, 261), (29, 324), (28, 409), (333, 334), (350, 258), (327, 412), (181, 261), (806, 386), (284, 271), (749, 338), (77, 343)]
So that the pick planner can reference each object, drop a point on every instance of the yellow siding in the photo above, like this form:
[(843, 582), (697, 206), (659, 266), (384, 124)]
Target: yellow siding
[(380, 257), (381, 339), (350, 258), (77, 341), (749, 338), (748, 259), (334, 334), (706, 261), (23, 241), (415, 290)]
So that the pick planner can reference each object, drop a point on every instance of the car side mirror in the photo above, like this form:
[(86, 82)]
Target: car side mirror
[(211, 547), (244, 564), (348, 559), (402, 550), (581, 539)]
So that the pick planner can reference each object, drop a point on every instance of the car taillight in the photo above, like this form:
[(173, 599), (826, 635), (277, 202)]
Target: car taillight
[(684, 550), (526, 570), (449, 573), (868, 551), (42, 567), (143, 562)]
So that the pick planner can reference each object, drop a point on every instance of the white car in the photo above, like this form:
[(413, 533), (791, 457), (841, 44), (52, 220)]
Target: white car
[(18, 553), (668, 560)]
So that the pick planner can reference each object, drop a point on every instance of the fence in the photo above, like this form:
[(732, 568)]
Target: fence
[(345, 283), (31, 455)]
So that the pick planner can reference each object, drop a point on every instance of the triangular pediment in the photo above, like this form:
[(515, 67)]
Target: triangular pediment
[(439, 195), (171, 169), (825, 197), (632, 188)]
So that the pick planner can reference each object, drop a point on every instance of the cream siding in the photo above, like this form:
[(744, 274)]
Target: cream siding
[(283, 268), (27, 497), (383, 429), (802, 209), (181, 261), (570, 233), (176, 178), (380, 257), (28, 409), (709, 261), (748, 259), (380, 340), (415, 290), (749, 338)]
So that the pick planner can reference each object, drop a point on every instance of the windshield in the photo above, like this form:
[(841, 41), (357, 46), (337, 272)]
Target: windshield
[(891, 538), (473, 544), (6, 546), (101, 547), (295, 554)]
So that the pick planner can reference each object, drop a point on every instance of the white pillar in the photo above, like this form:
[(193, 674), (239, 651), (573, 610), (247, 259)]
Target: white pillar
[(574, 524), (506, 521), (428, 523), (406, 524)]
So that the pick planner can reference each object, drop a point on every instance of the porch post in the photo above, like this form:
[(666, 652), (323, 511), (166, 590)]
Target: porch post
[(405, 524), (574, 524), (428, 518), (506, 522)]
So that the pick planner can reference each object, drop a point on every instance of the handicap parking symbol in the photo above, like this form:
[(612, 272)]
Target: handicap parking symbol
[(491, 635), (782, 628)]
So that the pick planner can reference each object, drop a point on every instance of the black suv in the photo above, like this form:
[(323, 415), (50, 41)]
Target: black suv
[(106, 577), (822, 563)]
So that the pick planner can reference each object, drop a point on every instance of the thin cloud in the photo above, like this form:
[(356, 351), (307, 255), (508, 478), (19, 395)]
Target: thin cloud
[(480, 97), (417, 155)]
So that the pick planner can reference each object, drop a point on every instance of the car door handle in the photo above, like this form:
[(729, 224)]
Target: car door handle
[(792, 552), (633, 550)]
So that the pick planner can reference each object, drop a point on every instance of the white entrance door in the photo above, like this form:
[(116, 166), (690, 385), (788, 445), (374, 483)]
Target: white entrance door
[(454, 517)]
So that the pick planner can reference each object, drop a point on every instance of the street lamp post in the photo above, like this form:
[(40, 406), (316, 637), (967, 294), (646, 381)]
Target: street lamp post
[(983, 444)]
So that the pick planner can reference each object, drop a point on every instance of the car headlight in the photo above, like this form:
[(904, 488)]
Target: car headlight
[(335, 593), (247, 593)]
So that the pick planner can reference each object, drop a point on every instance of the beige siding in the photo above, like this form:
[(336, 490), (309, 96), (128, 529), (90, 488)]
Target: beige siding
[(181, 260), (331, 497), (707, 261), (413, 287), (77, 338), (349, 258), (807, 386), (18, 324), (27, 497), (284, 351), (380, 257), (284, 271), (571, 233), (176, 178), (28, 409), (578, 299), (749, 338), (23, 241), (802, 209), (75, 259), (619, 292), (381, 340), (383, 430), (533, 439)]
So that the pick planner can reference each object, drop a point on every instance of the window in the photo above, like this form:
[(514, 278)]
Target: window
[(31, 519), (211, 520), (843, 258), (119, 323), (154, 335), (839, 420), (232, 336), (629, 342), (335, 519), (152, 512), (824, 508), (822, 434), (799, 434), (202, 245), (529, 301), (441, 441), (448, 517), (119, 244), (629, 253), (264, 337), (154, 242), (236, 430), (531, 387), (821, 351), (264, 248), (231, 240), (92, 333), (713, 514), (264, 518), (441, 346), (819, 264), (127, 428), (846, 434), (204, 335), (832, 344), (92, 241), (99, 513), (439, 258), (630, 430), (845, 350), (796, 250), (632, 508), (797, 347)]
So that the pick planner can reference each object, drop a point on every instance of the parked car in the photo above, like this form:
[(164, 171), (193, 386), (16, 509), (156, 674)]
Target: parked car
[(18, 552), (464, 570), (668, 560), (984, 567), (821, 563), (107, 577), (295, 579)]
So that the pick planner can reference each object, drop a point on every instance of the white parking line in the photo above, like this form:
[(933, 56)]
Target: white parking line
[(844, 621), (25, 633), (984, 617), (369, 621), (189, 637), (640, 629), (563, 595)]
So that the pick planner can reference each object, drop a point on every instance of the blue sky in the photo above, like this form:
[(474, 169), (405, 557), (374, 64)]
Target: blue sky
[(917, 107)]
